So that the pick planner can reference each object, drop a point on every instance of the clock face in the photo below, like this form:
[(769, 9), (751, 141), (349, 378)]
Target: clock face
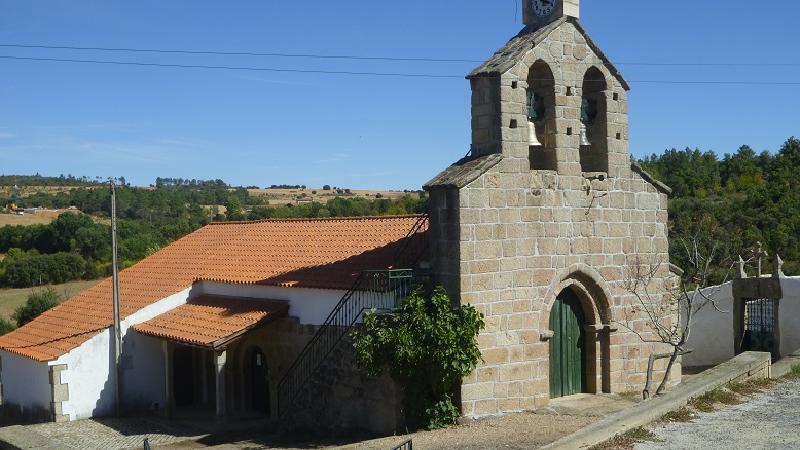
[(543, 8)]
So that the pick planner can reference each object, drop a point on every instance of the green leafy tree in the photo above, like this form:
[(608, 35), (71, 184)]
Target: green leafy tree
[(234, 210), (427, 346), (38, 302)]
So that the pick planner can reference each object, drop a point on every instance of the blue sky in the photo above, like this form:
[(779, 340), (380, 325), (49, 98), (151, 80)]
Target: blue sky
[(267, 128)]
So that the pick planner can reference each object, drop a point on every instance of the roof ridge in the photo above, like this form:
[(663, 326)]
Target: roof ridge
[(319, 219)]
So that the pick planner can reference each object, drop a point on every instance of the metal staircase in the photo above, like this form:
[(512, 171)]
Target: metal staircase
[(382, 290)]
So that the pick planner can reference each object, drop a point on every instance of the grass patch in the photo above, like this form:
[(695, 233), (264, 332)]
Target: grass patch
[(793, 374), (627, 440), (10, 299), (706, 402), (683, 414), (753, 386)]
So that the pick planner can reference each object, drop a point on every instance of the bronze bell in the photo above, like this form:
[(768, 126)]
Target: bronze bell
[(585, 136), (533, 141)]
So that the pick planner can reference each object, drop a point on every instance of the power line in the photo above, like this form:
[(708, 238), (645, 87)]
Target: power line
[(379, 74), (372, 58), (242, 53), (258, 69), (723, 64)]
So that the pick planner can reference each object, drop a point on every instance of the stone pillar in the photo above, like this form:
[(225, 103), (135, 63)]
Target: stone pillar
[(59, 393), (220, 359), (166, 348), (605, 357)]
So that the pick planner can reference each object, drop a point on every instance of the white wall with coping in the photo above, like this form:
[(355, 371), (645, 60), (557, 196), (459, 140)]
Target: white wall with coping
[(712, 334), (310, 306), (26, 383), (89, 371), (711, 337), (789, 315)]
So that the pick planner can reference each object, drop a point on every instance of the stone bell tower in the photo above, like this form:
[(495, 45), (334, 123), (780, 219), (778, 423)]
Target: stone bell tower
[(536, 225), (541, 12)]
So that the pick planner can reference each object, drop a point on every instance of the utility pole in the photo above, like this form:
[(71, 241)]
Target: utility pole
[(115, 297)]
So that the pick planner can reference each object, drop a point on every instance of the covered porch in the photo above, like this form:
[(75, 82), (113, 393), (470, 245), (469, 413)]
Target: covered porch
[(211, 369)]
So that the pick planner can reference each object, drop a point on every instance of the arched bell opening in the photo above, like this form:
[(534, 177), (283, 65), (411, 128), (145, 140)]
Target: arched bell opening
[(541, 110), (594, 122)]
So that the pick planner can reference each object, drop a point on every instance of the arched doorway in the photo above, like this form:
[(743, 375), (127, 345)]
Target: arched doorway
[(568, 349), (259, 380)]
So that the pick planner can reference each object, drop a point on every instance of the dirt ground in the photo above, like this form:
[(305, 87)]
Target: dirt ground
[(27, 219), (518, 431)]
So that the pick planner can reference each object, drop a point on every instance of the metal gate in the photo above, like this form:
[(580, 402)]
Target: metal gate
[(759, 325)]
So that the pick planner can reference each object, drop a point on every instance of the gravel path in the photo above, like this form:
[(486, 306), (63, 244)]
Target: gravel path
[(768, 421)]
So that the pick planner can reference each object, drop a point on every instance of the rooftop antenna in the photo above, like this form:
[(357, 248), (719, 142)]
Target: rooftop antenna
[(115, 297)]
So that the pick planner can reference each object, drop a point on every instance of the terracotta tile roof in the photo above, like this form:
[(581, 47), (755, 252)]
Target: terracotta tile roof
[(212, 321), (316, 253)]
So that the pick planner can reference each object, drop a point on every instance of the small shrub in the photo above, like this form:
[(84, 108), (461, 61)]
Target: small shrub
[(427, 346), (6, 326), (38, 302)]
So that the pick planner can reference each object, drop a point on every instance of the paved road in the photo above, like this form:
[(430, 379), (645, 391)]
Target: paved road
[(769, 421)]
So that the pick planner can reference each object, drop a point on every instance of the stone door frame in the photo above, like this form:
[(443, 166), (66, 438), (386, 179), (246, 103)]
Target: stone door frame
[(594, 295)]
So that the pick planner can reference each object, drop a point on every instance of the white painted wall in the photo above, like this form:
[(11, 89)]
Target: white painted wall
[(89, 371), (26, 383), (789, 315), (711, 337), (310, 306), (712, 331)]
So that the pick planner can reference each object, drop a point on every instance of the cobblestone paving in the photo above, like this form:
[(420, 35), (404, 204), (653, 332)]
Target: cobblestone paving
[(770, 421), (112, 434)]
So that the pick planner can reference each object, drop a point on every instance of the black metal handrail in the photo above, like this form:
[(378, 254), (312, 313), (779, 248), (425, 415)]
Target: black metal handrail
[(407, 445), (381, 290)]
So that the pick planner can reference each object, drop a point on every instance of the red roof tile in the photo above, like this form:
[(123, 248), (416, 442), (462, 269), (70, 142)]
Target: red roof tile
[(313, 253), (212, 321)]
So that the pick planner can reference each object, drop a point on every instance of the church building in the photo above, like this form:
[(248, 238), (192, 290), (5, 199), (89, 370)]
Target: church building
[(535, 228), (537, 225)]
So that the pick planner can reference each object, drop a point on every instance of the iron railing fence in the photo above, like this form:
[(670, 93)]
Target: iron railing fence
[(381, 290), (407, 445)]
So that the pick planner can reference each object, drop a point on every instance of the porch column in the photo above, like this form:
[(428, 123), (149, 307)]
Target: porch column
[(166, 349), (220, 372), (204, 375)]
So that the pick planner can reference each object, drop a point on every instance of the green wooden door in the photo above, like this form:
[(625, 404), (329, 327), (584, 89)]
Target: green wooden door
[(567, 349)]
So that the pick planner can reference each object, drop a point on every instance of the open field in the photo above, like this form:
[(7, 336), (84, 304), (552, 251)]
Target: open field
[(28, 219), (11, 298), (284, 196)]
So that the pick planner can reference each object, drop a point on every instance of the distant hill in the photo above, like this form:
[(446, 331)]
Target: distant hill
[(39, 180), (728, 205)]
